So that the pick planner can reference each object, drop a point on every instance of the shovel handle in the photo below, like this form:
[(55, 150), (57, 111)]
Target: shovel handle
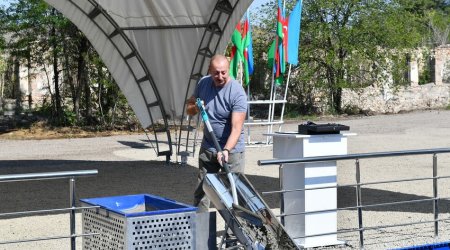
[(205, 119)]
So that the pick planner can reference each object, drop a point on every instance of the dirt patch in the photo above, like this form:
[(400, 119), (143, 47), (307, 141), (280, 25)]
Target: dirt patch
[(39, 131)]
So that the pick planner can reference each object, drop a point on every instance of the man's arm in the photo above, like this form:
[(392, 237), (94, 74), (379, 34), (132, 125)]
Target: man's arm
[(237, 122)]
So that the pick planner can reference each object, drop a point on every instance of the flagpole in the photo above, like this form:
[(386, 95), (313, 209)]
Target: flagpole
[(272, 90), (286, 89), (271, 104), (285, 95), (248, 84), (293, 44), (241, 78), (275, 87), (270, 97), (248, 115), (273, 99)]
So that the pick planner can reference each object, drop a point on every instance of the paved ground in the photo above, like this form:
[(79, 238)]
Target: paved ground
[(127, 165)]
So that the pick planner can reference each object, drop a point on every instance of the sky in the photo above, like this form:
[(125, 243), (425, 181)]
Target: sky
[(257, 3), (4, 2)]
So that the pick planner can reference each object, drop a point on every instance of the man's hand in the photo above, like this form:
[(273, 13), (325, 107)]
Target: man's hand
[(191, 107), (223, 154)]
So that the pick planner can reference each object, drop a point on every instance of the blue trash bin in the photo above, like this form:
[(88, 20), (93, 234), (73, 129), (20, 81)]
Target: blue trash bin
[(140, 221)]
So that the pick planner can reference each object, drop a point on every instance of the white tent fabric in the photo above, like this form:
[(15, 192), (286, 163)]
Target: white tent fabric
[(139, 13), (150, 46)]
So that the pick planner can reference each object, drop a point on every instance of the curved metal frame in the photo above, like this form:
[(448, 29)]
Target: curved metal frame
[(97, 10), (217, 26), (205, 52), (148, 76)]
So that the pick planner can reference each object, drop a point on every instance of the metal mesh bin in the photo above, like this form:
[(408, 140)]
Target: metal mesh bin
[(140, 221)]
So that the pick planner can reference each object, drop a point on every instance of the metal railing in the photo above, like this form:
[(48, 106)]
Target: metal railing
[(359, 206), (71, 175), (269, 122)]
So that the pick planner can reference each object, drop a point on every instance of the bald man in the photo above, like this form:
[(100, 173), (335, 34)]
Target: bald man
[(226, 104)]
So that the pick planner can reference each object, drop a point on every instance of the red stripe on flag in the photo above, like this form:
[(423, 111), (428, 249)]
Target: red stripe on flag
[(245, 29), (285, 37)]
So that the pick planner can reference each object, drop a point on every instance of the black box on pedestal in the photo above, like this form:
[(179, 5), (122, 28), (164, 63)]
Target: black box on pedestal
[(311, 128)]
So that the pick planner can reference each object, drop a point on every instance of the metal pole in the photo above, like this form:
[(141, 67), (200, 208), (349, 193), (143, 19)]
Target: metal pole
[(47, 175), (354, 156), (435, 195), (270, 106), (285, 96), (280, 174), (273, 107), (275, 90), (72, 213), (359, 204), (2, 85), (248, 114)]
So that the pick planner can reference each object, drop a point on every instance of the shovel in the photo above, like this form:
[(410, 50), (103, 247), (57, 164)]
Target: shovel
[(225, 165), (252, 222)]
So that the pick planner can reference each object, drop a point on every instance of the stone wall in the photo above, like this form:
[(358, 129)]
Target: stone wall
[(442, 67), (373, 100), (388, 99)]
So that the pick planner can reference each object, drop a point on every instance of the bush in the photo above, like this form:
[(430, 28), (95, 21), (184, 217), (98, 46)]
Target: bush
[(352, 110)]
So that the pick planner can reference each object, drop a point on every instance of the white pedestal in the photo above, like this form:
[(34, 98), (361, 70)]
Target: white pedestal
[(309, 175)]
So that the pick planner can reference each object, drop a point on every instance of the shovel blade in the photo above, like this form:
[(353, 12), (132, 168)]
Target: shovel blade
[(251, 220)]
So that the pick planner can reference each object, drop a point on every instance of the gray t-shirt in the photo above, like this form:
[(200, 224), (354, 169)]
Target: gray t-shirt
[(220, 102)]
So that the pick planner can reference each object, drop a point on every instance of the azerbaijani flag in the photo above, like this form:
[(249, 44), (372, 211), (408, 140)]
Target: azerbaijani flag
[(248, 50), (294, 33), (237, 52), (278, 50), (242, 50)]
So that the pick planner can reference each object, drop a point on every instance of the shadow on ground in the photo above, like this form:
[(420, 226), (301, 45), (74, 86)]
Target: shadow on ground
[(347, 198), (154, 177), (132, 144), (114, 178)]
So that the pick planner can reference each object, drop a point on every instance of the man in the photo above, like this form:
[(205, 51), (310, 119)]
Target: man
[(226, 104)]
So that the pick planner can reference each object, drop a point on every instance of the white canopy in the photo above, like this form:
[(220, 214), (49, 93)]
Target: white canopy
[(155, 49)]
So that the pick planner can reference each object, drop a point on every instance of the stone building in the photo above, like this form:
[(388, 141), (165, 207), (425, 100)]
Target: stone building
[(386, 98), (31, 85)]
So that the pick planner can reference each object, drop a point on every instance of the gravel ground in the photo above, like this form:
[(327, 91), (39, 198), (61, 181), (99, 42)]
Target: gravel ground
[(127, 165)]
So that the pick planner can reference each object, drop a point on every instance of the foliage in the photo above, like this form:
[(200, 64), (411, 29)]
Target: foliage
[(2, 64), (344, 44), (85, 92), (353, 43), (294, 112)]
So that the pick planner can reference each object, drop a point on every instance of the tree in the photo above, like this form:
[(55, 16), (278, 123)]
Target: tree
[(31, 27), (82, 91), (350, 43), (2, 65)]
